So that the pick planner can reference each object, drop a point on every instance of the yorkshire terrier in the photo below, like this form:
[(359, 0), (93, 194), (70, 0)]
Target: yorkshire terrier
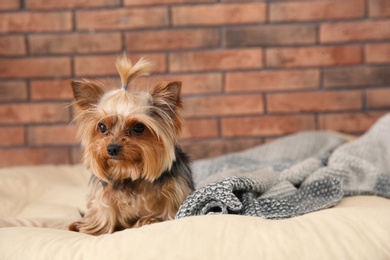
[(140, 175)]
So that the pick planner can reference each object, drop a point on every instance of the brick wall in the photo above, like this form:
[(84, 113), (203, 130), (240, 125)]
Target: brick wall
[(252, 70)]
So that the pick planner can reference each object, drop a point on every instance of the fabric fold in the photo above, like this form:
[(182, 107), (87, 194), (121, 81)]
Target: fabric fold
[(294, 175)]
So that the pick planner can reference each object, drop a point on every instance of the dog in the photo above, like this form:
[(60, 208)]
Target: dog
[(130, 143)]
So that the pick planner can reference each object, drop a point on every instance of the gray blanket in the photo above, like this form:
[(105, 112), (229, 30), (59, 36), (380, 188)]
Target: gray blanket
[(293, 175)]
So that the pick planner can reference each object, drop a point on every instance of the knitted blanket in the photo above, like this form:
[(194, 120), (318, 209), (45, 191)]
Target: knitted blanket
[(293, 175)]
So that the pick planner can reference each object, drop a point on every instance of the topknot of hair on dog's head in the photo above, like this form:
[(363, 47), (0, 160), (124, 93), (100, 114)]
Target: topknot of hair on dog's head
[(127, 71)]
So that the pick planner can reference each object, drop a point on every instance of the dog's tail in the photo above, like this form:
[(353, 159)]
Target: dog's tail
[(127, 71)]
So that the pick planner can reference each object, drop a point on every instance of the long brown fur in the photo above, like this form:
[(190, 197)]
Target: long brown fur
[(149, 178)]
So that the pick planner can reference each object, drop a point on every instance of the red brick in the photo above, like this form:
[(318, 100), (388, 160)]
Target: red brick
[(215, 60), (354, 31), (314, 101), (54, 4), (379, 8), (268, 140), (206, 83), (103, 65), (212, 148), (272, 80), (9, 4), (378, 98), (13, 90), (218, 14), (35, 22), (75, 43), (171, 39), (200, 83), (12, 45), (241, 1), (122, 18), (200, 128), (316, 10), (269, 35), (34, 67), (12, 136), (377, 53), (314, 56), (349, 122), (356, 77), (76, 155), (29, 156), (223, 105), (51, 90), (52, 135), (266, 126), (163, 2), (34, 113)]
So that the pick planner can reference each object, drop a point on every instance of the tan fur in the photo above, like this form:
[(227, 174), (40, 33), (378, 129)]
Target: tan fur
[(111, 210), (127, 71), (129, 189)]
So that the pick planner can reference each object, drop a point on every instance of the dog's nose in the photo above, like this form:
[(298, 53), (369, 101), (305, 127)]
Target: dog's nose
[(114, 149)]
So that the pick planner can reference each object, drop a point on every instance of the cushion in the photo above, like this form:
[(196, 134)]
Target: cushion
[(37, 203)]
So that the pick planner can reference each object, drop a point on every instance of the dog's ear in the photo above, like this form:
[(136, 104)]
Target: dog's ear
[(86, 93), (166, 95)]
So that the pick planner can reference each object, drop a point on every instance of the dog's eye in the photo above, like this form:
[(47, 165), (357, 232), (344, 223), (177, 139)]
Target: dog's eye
[(102, 128), (138, 128)]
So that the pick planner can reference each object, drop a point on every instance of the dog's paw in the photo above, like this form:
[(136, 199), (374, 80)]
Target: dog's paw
[(74, 226)]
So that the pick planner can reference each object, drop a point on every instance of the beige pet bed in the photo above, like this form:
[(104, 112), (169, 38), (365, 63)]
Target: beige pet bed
[(38, 202)]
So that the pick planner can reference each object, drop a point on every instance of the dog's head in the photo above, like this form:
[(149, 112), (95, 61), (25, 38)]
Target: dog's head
[(128, 134)]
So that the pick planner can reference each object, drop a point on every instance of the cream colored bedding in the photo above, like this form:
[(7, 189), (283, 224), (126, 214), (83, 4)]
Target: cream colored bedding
[(36, 204)]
